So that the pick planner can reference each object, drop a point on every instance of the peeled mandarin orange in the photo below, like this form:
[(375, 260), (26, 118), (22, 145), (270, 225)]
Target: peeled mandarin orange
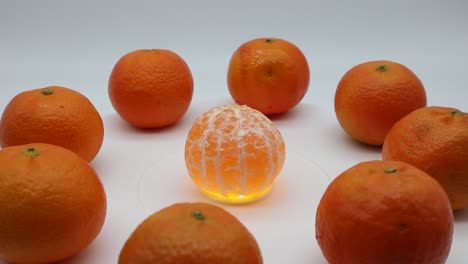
[(234, 153)]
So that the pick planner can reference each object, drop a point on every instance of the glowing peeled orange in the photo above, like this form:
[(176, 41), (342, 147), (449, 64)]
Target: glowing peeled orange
[(234, 153)]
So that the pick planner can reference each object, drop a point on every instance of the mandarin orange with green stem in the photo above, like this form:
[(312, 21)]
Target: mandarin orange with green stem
[(53, 205), (55, 115), (268, 74), (384, 212), (372, 96), (191, 233), (151, 88), (434, 139), (234, 153)]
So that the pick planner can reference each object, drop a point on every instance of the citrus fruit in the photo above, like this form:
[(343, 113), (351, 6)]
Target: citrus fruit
[(151, 88), (54, 115), (384, 212), (268, 74), (53, 204), (234, 153), (191, 233), (434, 139), (372, 96)]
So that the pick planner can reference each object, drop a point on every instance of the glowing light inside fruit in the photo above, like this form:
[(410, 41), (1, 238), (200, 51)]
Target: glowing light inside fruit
[(234, 153)]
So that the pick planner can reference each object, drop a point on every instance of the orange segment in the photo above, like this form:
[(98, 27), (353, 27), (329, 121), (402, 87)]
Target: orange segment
[(234, 153)]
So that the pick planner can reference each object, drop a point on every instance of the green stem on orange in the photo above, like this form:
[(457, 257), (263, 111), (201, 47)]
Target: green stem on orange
[(269, 41), (382, 68), (456, 113), (198, 215), (391, 170), (32, 152), (47, 91)]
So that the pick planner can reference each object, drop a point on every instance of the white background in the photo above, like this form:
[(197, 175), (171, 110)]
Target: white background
[(76, 44)]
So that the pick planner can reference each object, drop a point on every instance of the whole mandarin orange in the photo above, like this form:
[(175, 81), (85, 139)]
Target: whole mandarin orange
[(372, 96), (268, 74), (384, 212), (54, 115), (434, 139), (191, 233), (151, 88), (53, 205)]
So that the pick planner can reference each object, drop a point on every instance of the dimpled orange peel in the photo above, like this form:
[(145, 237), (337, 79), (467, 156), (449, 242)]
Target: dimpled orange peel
[(234, 153)]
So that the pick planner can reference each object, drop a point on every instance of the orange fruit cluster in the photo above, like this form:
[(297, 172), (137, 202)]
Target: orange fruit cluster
[(395, 210), (386, 211)]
